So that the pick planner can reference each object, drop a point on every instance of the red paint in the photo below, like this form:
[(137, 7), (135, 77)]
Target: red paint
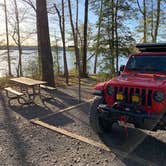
[(138, 80)]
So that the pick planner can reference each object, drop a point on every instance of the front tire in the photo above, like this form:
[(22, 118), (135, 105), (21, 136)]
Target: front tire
[(98, 123)]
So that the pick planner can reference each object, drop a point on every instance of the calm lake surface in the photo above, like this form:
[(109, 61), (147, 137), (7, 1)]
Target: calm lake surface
[(29, 59)]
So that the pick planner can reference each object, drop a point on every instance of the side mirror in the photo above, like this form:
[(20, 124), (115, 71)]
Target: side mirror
[(122, 68)]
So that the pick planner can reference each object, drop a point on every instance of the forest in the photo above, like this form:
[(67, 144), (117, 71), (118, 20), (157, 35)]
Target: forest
[(102, 30)]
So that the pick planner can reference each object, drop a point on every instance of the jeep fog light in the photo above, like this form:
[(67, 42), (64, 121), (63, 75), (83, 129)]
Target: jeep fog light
[(119, 96), (158, 96), (135, 99)]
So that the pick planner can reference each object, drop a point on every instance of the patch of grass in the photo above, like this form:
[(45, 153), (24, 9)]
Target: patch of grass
[(60, 80), (73, 80)]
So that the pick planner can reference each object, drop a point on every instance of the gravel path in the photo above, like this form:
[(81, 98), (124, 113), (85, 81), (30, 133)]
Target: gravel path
[(23, 143)]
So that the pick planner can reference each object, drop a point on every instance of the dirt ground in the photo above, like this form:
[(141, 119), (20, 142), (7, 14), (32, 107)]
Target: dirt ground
[(23, 143)]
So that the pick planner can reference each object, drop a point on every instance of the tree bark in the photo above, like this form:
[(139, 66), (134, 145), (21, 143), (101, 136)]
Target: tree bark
[(66, 73), (112, 45), (98, 37), (144, 14), (145, 21), (157, 21), (152, 20), (62, 30), (116, 36), (57, 55), (20, 72), (75, 38), (84, 58), (77, 52), (44, 42), (7, 39)]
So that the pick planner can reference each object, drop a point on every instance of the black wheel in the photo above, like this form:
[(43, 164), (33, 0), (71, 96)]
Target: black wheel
[(98, 123)]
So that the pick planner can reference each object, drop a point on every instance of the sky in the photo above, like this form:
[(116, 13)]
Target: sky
[(28, 25)]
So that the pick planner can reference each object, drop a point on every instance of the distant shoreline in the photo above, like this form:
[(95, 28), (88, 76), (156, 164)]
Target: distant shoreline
[(16, 48), (31, 48)]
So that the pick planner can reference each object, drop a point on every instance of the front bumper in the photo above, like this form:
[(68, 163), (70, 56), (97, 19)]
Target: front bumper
[(141, 119)]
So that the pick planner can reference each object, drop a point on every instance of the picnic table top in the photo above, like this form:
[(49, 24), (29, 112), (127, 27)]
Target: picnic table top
[(27, 81)]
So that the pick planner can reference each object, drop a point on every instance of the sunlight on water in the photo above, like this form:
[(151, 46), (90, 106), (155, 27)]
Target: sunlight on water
[(30, 56)]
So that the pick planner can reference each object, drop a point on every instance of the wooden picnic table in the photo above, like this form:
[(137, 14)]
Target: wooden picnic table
[(29, 87), (27, 81)]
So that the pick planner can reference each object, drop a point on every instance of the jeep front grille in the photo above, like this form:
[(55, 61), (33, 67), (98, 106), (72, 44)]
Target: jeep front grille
[(144, 94)]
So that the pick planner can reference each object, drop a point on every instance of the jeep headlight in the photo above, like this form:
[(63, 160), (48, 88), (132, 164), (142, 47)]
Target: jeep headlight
[(110, 90), (158, 96)]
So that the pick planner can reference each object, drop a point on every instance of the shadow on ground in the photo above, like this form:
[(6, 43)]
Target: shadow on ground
[(31, 112), (137, 148), (78, 114), (61, 100), (58, 120), (17, 144), (65, 98)]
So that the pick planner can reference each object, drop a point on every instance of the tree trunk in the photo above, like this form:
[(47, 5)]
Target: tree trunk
[(116, 36), (84, 58), (76, 33), (77, 52), (20, 72), (112, 46), (157, 21), (98, 37), (152, 21), (38, 47), (62, 30), (64, 45), (7, 39), (57, 55), (144, 13), (145, 20), (44, 42), (75, 38)]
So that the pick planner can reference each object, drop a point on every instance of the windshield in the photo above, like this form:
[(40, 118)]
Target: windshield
[(147, 63)]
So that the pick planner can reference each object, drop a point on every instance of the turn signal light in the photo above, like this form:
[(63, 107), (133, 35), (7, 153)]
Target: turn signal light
[(119, 96), (135, 99)]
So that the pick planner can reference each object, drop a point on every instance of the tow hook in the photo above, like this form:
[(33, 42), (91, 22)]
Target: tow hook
[(123, 122)]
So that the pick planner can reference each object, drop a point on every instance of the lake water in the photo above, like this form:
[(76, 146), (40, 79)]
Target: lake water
[(29, 58)]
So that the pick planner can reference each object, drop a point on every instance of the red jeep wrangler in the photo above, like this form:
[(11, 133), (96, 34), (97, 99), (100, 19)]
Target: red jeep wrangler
[(137, 97)]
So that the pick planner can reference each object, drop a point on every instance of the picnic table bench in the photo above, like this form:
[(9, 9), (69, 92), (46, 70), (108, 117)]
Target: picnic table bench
[(17, 95), (28, 90), (48, 87), (49, 92)]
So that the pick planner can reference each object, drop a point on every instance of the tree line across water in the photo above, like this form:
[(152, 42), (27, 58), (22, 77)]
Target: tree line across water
[(116, 27)]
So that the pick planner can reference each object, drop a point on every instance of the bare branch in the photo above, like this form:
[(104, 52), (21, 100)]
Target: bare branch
[(140, 7), (57, 10), (13, 35), (23, 15), (29, 2)]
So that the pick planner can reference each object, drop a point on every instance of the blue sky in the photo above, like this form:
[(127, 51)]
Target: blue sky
[(29, 24)]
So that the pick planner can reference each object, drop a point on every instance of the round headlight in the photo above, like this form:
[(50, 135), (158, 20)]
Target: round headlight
[(110, 90), (158, 96)]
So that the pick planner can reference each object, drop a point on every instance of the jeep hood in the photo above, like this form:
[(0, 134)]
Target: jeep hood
[(140, 80)]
